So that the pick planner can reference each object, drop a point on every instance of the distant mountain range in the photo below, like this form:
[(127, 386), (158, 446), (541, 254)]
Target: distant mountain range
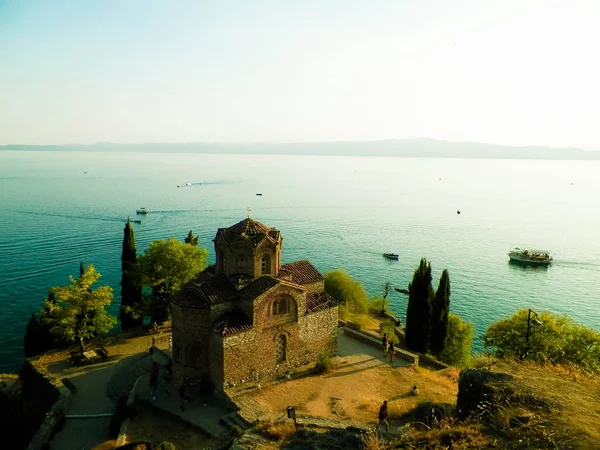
[(417, 148)]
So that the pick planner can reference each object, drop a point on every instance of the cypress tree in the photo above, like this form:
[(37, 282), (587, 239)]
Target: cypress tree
[(37, 338), (191, 239), (81, 269), (131, 290), (418, 313), (439, 314)]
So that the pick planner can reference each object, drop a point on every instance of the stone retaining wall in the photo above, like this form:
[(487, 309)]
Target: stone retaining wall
[(57, 411)]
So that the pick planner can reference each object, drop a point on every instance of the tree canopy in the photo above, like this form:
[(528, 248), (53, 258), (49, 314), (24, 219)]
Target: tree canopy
[(191, 239), (166, 267), (555, 339), (418, 312), (348, 291), (78, 312)]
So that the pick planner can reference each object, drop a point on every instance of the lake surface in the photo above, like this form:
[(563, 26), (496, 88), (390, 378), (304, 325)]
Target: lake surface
[(335, 211)]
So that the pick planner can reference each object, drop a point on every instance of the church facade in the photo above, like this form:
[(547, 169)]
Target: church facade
[(248, 316)]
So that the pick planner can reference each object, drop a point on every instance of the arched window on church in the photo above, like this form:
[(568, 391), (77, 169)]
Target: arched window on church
[(280, 348), (265, 264), (281, 306)]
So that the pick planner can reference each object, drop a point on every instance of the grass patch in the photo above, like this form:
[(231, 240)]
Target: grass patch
[(276, 430), (371, 441), (446, 434)]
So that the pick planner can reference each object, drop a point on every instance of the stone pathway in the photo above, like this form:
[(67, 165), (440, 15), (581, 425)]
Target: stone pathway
[(204, 413), (98, 387)]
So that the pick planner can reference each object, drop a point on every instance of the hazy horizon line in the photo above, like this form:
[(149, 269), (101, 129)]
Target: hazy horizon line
[(308, 142)]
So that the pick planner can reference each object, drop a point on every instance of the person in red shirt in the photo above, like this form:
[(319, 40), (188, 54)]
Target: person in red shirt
[(383, 414)]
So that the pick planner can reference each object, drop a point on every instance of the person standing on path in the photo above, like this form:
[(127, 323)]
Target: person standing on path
[(383, 414), (385, 341), (153, 379), (391, 351)]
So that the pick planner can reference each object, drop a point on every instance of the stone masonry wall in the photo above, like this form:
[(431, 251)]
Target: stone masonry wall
[(320, 330), (252, 355), (191, 330)]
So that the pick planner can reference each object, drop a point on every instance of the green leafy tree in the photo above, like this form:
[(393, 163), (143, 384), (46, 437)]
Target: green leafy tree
[(457, 351), (554, 339), (166, 267), (348, 291), (131, 312), (78, 312), (439, 314), (191, 239), (418, 312)]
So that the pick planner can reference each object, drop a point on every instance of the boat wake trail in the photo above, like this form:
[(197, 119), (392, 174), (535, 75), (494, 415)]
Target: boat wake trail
[(68, 216)]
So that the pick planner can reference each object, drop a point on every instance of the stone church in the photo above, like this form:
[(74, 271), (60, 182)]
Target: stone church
[(249, 317)]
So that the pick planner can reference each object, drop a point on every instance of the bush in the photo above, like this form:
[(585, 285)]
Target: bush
[(277, 431), (389, 327), (379, 304), (324, 363), (346, 290), (458, 345), (552, 338)]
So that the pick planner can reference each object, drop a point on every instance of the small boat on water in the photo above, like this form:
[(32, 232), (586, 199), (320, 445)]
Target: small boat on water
[(530, 256), (142, 210), (391, 256), (259, 195), (136, 221)]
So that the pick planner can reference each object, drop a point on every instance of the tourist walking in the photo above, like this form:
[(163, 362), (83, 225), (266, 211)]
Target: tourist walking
[(153, 379), (383, 414), (386, 342), (391, 351)]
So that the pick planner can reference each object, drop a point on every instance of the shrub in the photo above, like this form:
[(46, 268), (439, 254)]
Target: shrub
[(347, 290), (389, 327), (458, 345), (324, 363), (276, 431), (379, 304), (371, 441), (554, 339)]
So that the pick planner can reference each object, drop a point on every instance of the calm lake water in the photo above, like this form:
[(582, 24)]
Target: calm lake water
[(336, 211)]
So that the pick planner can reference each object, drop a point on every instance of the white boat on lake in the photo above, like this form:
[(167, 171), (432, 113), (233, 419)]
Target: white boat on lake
[(142, 210), (530, 255)]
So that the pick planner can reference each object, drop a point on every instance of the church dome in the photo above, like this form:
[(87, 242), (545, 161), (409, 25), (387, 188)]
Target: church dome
[(250, 230)]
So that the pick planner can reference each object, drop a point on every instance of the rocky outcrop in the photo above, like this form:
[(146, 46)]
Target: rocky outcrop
[(482, 392)]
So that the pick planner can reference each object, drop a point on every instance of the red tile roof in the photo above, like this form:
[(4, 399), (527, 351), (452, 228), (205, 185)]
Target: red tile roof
[(232, 322), (207, 289), (250, 230), (302, 272), (319, 301), (258, 287)]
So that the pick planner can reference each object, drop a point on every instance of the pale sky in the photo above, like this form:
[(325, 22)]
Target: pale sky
[(517, 72)]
